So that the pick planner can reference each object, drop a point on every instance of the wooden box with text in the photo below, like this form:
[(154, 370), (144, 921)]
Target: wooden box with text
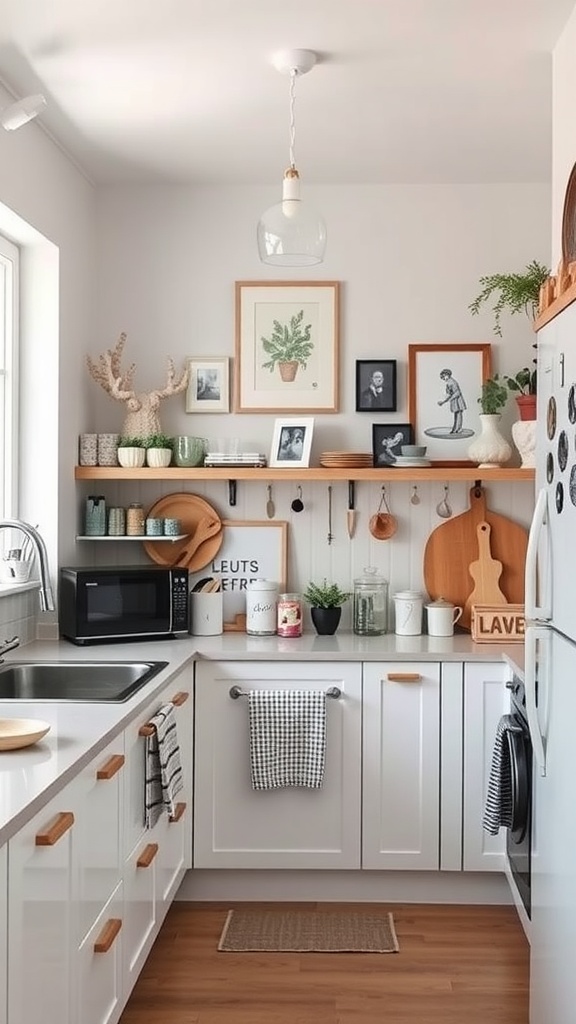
[(498, 623)]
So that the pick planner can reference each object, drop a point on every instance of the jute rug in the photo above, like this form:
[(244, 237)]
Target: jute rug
[(307, 931)]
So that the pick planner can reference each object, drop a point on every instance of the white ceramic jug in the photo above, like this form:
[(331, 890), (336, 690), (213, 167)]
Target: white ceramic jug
[(408, 613), (442, 616)]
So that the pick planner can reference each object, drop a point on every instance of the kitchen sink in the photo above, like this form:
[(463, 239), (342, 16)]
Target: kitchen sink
[(92, 681)]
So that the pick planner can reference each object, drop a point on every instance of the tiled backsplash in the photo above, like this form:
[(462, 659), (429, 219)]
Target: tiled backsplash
[(19, 614)]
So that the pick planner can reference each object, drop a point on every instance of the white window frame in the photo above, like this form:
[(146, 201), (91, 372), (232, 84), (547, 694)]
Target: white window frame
[(9, 365)]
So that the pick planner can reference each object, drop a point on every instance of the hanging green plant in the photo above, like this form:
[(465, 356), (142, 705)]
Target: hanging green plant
[(514, 293)]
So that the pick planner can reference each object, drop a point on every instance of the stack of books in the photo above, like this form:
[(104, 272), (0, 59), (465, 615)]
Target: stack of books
[(253, 459)]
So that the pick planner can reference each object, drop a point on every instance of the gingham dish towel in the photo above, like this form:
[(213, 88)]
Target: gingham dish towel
[(498, 809), (287, 738), (163, 766)]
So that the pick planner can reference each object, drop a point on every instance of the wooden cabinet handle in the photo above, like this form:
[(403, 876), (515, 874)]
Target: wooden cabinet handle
[(180, 698), (147, 856), (109, 932), (62, 822), (404, 677), (146, 730), (178, 812), (112, 766)]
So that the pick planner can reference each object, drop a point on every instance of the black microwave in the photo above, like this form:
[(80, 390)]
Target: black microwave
[(122, 603)]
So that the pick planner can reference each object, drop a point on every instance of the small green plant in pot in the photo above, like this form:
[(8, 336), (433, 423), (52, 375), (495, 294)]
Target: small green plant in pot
[(325, 600), (489, 448), (523, 387), (159, 448), (494, 395), (131, 452)]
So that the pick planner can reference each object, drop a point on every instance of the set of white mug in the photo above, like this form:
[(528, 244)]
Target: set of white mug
[(441, 615)]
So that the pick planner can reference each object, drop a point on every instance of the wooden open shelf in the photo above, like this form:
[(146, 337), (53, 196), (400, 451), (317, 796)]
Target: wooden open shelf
[(174, 473)]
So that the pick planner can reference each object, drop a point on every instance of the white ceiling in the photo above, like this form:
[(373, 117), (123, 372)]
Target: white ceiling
[(184, 90)]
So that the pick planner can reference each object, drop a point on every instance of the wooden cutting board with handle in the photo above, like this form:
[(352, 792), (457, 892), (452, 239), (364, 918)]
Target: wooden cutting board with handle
[(485, 572), (453, 546)]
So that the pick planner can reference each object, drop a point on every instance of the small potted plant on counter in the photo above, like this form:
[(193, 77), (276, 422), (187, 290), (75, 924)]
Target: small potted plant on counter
[(159, 448), (131, 452), (325, 600)]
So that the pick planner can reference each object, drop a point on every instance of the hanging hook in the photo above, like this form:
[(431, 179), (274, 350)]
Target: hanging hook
[(415, 499)]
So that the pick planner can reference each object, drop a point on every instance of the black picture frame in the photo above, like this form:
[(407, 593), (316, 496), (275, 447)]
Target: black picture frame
[(384, 455), (368, 399)]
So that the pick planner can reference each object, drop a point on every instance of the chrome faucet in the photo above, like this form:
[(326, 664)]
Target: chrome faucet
[(46, 595), (8, 645)]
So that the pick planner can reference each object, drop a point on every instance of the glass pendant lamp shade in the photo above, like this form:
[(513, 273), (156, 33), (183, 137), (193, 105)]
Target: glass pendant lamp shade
[(291, 233)]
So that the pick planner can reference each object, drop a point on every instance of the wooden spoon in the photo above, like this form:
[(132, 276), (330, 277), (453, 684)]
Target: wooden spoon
[(206, 527)]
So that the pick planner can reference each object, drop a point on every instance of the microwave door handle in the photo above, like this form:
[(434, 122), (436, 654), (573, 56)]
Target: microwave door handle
[(540, 518)]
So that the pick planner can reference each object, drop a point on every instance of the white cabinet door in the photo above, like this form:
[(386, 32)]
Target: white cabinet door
[(140, 921), (401, 766), (238, 827), (3, 934), (41, 935), (99, 967), (174, 836), (486, 699)]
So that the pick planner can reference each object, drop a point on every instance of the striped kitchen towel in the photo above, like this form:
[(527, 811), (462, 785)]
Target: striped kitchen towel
[(163, 766), (287, 738), (498, 808)]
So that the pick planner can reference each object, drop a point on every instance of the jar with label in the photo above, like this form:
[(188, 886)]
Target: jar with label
[(370, 614), (289, 622), (135, 522), (261, 605), (408, 606)]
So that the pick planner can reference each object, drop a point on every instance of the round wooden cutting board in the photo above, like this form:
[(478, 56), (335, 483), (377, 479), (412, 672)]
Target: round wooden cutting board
[(189, 509), (453, 546)]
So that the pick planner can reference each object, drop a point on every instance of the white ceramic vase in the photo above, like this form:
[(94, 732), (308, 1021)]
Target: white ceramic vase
[(524, 437), (131, 458), (158, 457), (490, 449)]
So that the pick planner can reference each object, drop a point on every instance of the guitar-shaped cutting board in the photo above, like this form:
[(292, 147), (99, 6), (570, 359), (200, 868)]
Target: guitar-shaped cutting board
[(485, 572)]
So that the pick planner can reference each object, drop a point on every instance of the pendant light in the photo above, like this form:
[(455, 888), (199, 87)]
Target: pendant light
[(22, 111), (291, 233)]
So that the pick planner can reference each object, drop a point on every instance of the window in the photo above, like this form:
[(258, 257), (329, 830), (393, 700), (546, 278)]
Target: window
[(9, 265)]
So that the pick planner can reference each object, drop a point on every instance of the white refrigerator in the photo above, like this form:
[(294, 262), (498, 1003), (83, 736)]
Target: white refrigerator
[(550, 678)]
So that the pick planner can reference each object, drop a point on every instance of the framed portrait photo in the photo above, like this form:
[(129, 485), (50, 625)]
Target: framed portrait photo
[(387, 441), (287, 345), (209, 384), (444, 385), (291, 442), (375, 385)]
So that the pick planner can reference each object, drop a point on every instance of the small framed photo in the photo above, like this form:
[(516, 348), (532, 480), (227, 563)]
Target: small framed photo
[(291, 442), (387, 441), (209, 384), (375, 385)]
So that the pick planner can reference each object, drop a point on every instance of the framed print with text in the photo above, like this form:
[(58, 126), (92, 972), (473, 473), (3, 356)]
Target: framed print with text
[(444, 385), (287, 346)]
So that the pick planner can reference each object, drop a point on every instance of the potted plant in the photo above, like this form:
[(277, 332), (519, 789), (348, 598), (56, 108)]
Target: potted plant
[(523, 387), (325, 600), (131, 452), (514, 293), (490, 449), (159, 449), (288, 346)]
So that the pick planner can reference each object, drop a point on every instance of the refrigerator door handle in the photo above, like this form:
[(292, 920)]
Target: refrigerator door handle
[(533, 635), (532, 609)]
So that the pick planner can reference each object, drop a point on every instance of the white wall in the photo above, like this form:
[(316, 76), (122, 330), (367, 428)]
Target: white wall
[(409, 259), (563, 137)]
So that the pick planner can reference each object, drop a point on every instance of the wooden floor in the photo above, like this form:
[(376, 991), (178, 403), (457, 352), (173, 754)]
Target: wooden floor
[(456, 965)]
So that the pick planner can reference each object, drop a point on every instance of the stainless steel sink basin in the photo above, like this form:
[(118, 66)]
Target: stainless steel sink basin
[(92, 681)]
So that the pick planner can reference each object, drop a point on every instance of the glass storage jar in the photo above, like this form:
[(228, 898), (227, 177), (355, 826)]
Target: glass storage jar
[(370, 613)]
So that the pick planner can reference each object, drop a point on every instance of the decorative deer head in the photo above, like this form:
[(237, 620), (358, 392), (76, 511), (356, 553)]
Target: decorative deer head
[(142, 417)]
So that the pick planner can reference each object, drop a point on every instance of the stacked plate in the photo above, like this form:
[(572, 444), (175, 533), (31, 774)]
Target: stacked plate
[(406, 461), (346, 460)]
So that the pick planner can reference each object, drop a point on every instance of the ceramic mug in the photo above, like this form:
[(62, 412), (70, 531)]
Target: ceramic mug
[(442, 617)]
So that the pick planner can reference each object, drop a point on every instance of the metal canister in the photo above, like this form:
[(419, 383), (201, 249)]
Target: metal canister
[(289, 621), (261, 603)]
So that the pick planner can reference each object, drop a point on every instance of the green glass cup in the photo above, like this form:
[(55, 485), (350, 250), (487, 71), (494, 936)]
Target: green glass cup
[(189, 451)]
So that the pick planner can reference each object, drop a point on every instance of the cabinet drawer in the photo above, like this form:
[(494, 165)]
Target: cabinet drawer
[(99, 966)]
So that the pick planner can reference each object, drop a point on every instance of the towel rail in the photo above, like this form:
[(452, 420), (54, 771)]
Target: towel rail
[(334, 692)]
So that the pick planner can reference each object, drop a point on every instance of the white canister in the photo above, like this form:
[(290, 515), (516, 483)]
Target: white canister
[(261, 605), (442, 616), (206, 613), (408, 606)]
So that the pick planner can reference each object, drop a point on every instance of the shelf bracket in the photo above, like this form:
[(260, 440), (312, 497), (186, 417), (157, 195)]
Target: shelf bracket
[(351, 495), (477, 488), (232, 493)]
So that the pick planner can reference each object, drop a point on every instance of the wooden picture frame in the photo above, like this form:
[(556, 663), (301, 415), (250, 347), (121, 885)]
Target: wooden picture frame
[(387, 441), (208, 385), (287, 346), (375, 385), (252, 549), (291, 443), (444, 385)]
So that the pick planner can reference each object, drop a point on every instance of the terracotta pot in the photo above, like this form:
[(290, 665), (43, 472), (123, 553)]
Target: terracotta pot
[(526, 407), (288, 371)]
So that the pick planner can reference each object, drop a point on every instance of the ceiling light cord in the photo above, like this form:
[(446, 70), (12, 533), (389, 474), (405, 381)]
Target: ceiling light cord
[(293, 76)]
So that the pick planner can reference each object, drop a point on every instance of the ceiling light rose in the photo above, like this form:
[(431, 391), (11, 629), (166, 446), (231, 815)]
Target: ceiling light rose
[(291, 233)]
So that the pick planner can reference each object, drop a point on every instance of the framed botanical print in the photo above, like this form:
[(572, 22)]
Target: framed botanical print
[(444, 385), (287, 342)]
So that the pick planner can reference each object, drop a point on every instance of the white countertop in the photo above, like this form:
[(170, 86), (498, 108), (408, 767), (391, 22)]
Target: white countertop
[(32, 776)]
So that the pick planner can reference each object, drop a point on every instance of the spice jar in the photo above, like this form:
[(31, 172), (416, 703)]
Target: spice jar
[(289, 621), (261, 605), (135, 520), (370, 615)]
